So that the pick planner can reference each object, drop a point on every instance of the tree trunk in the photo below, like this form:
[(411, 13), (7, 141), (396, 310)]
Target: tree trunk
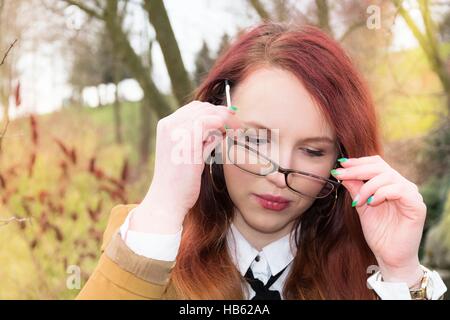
[(117, 115), (154, 105), (147, 127), (181, 84), (323, 16), (260, 9)]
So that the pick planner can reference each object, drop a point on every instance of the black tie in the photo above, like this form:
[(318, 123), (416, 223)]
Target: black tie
[(262, 291)]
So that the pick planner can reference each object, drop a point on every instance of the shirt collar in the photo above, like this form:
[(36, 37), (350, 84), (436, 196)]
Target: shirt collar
[(279, 253)]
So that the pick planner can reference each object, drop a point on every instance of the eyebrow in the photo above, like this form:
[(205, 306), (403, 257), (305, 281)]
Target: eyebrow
[(307, 139)]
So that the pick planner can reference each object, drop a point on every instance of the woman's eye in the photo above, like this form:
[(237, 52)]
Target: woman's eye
[(314, 153)]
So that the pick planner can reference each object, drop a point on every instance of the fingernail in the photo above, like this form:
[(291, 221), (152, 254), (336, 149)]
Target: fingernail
[(233, 108), (370, 200), (355, 201), (335, 172), (342, 159), (227, 127)]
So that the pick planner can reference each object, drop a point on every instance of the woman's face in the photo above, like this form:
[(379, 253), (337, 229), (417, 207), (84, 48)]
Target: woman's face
[(275, 99)]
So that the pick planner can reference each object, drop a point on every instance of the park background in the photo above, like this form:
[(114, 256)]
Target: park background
[(84, 82)]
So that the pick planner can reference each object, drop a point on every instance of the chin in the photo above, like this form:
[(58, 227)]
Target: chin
[(266, 223)]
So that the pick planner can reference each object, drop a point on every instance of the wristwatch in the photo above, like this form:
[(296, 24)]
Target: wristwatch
[(421, 292)]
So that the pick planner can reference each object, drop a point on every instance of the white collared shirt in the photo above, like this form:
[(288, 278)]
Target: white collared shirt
[(273, 258)]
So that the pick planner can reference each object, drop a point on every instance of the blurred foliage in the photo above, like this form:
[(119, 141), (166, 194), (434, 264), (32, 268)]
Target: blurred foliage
[(437, 248), (409, 99), (64, 179)]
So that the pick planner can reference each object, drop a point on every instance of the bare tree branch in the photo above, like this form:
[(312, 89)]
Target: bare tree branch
[(90, 11), (412, 26), (7, 52), (352, 28), (4, 222), (260, 9), (323, 15), (427, 42), (181, 84), (2, 134)]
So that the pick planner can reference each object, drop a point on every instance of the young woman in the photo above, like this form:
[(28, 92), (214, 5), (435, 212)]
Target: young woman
[(312, 220)]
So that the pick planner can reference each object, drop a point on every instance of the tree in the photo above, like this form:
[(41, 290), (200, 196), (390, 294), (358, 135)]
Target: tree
[(428, 41), (203, 63), (436, 154), (9, 33), (95, 63), (224, 44), (444, 28), (155, 105), (181, 84), (317, 12)]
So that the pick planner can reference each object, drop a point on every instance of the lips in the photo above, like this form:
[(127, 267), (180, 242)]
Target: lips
[(272, 202)]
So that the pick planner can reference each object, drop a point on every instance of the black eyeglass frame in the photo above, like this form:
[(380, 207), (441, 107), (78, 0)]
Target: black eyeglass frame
[(284, 171), (276, 166)]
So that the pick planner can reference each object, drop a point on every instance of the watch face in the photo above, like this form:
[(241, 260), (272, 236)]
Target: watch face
[(420, 294)]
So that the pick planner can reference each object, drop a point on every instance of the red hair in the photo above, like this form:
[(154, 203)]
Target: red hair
[(332, 256)]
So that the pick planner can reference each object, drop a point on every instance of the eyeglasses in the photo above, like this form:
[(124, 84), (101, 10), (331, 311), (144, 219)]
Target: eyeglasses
[(257, 163), (301, 182)]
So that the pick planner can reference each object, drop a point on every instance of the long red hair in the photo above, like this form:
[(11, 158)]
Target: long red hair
[(332, 256)]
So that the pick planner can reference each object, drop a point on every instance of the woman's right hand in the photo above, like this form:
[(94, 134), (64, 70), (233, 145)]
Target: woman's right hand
[(176, 179)]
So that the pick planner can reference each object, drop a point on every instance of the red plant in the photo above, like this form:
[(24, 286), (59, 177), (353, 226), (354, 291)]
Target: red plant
[(64, 169), (2, 182), (125, 171), (17, 95), (68, 152), (43, 195), (31, 164), (47, 206), (94, 214), (34, 130)]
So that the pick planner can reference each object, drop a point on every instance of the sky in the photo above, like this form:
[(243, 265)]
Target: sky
[(44, 72)]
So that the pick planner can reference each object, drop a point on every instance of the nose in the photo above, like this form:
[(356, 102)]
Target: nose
[(277, 179), (284, 160)]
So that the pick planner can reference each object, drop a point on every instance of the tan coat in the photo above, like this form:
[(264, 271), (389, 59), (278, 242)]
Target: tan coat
[(122, 274)]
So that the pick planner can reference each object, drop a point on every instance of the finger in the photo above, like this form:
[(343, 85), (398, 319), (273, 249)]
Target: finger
[(208, 108), (350, 162), (195, 109), (208, 134), (388, 192), (370, 187), (231, 119), (210, 126), (360, 172), (353, 187)]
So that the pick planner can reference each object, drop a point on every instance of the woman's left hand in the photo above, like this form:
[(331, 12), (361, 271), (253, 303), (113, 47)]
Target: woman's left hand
[(392, 215)]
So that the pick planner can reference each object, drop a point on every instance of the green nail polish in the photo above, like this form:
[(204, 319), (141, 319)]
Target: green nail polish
[(226, 127), (334, 172), (355, 202), (233, 108), (370, 200), (342, 159)]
